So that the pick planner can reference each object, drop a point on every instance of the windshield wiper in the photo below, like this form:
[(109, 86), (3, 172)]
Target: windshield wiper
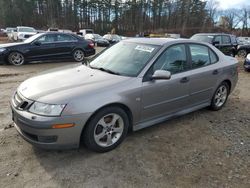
[(105, 70)]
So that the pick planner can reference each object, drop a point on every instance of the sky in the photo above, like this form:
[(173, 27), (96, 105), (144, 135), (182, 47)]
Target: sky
[(227, 4)]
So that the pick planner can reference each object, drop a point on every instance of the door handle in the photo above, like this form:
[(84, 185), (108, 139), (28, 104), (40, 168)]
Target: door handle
[(215, 72), (184, 80)]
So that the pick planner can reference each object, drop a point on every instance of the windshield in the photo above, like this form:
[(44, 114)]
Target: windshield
[(26, 29), (125, 58), (32, 38), (203, 38)]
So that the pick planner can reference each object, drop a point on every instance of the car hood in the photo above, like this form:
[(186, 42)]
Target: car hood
[(10, 44), (64, 84)]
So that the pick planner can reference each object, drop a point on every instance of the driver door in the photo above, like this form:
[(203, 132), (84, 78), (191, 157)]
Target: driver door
[(44, 49), (163, 97)]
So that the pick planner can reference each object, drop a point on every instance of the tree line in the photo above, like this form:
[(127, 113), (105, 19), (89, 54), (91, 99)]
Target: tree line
[(127, 17)]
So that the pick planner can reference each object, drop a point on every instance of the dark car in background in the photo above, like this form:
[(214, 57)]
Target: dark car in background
[(47, 46), (97, 39), (224, 42), (112, 38)]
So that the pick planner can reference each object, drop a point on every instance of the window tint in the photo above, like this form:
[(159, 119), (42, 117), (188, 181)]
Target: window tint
[(226, 40), (213, 57), (47, 39), (173, 59), (218, 39), (65, 38), (200, 55)]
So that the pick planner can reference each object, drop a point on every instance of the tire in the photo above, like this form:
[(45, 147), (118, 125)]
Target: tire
[(16, 58), (242, 53), (106, 129), (220, 97), (78, 55)]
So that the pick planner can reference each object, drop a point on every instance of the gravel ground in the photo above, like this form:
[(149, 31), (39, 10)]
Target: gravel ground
[(201, 149)]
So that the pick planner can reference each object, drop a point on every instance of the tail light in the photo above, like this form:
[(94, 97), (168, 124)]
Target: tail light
[(91, 45)]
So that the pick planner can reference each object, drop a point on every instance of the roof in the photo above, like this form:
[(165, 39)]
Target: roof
[(212, 34), (152, 41)]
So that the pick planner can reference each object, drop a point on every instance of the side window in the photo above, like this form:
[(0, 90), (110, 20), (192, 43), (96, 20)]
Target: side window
[(47, 39), (226, 39), (200, 55), (217, 39), (174, 59), (233, 38), (213, 57), (65, 38)]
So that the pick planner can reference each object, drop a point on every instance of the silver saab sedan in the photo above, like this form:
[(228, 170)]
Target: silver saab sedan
[(131, 85)]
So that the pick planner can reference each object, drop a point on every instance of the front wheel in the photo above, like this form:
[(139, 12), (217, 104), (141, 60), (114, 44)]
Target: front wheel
[(220, 97), (16, 58), (78, 55), (106, 129)]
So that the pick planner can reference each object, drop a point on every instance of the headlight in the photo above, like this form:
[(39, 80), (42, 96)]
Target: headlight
[(46, 109), (2, 49), (21, 35), (248, 57)]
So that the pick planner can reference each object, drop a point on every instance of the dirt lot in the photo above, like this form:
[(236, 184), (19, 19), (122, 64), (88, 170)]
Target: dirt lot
[(201, 149)]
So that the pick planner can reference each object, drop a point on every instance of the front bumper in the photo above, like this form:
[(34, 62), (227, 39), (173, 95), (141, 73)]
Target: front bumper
[(38, 130), (247, 65)]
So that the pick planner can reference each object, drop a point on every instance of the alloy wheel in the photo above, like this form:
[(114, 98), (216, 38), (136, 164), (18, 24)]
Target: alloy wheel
[(242, 53), (16, 58), (78, 55), (221, 96), (108, 130)]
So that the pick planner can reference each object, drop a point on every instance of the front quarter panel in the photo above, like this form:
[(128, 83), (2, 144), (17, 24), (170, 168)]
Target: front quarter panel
[(128, 94)]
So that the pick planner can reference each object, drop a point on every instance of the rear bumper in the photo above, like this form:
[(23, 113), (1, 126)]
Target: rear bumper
[(89, 52), (39, 132)]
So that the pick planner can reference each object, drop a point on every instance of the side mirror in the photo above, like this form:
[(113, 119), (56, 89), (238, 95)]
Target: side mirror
[(161, 75), (37, 43), (215, 43)]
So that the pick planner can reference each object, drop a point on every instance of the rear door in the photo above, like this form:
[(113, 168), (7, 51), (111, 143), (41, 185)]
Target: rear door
[(225, 45), (204, 75), (64, 45), (163, 97)]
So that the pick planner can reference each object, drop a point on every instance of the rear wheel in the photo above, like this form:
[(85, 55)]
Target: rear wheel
[(220, 97), (16, 58), (242, 53), (78, 55), (106, 130)]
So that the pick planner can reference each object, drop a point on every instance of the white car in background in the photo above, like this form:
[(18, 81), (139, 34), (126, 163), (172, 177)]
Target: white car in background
[(22, 33)]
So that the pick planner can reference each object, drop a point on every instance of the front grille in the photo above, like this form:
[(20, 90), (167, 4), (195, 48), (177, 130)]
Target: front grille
[(20, 102)]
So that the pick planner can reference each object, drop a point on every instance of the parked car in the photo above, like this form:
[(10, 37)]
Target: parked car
[(112, 38), (47, 46), (22, 33), (97, 39), (226, 43), (83, 32), (247, 63), (134, 84), (9, 31), (243, 40)]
